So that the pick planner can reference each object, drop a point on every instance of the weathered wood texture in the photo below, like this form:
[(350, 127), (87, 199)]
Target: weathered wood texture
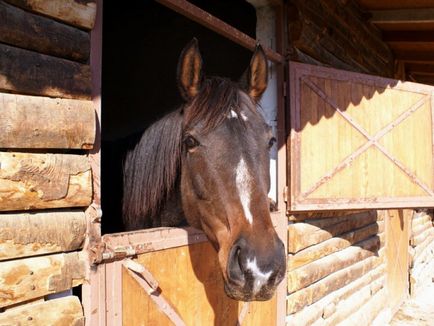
[(332, 245), (23, 235), (397, 255), (303, 235), (198, 298), (376, 119), (314, 292), (79, 13), (317, 270), (27, 72), (26, 279), (59, 312), (326, 307), (42, 122), (335, 33), (35, 181), (43, 35)]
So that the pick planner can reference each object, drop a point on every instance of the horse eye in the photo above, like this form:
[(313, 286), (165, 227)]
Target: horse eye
[(191, 142), (271, 142)]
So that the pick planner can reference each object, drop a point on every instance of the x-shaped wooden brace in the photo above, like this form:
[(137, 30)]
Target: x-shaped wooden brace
[(372, 140)]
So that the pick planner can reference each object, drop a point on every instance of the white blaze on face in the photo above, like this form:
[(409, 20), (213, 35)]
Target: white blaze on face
[(233, 114), (260, 278), (244, 182)]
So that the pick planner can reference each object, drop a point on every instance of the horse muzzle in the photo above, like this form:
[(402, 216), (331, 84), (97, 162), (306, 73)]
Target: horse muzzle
[(252, 274)]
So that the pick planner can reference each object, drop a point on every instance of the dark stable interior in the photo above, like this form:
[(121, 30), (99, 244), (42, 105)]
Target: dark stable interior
[(141, 45)]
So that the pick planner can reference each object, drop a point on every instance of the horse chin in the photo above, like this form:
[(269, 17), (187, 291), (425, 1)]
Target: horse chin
[(241, 294)]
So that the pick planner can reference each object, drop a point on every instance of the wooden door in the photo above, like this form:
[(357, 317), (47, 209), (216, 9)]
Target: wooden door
[(397, 256), (358, 141), (173, 278)]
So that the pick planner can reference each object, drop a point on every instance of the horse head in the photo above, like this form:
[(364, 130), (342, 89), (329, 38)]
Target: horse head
[(225, 174)]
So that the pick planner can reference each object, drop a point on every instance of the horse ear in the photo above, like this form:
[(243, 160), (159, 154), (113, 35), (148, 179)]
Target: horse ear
[(257, 77), (190, 70)]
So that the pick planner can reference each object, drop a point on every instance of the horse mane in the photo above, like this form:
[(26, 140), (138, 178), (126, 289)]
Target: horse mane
[(151, 170)]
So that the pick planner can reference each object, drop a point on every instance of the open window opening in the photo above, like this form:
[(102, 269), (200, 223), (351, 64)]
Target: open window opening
[(141, 46)]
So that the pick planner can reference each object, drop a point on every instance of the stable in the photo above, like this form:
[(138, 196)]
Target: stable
[(349, 99)]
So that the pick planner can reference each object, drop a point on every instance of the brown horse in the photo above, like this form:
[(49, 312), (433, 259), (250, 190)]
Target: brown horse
[(208, 163)]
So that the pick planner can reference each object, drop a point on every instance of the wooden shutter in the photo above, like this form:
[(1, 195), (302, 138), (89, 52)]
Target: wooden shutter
[(358, 141)]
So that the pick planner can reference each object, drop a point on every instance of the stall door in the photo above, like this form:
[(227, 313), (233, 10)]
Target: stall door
[(358, 141)]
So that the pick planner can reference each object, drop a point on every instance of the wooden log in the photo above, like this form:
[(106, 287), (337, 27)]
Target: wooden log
[(415, 241), (421, 249), (26, 279), (34, 181), (368, 312), (303, 235), (325, 23), (353, 303), (320, 309), (23, 235), (79, 13), (42, 122), (43, 35), (62, 311), (421, 228), (27, 72), (421, 219), (317, 270), (330, 246), (304, 297)]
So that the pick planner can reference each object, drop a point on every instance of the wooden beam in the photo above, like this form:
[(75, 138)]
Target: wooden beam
[(34, 181), (408, 36), (79, 13), (201, 17), (62, 311), (400, 16), (415, 56), (24, 234), (42, 122), (43, 35), (27, 72), (27, 279)]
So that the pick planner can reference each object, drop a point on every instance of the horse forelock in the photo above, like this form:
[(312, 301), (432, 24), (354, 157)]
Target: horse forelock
[(217, 99)]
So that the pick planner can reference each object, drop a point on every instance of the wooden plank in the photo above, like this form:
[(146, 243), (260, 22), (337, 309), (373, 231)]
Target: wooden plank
[(26, 279), (314, 292), (331, 246), (200, 16), (43, 35), (35, 181), (397, 255), (26, 72), (356, 173), (303, 235), (192, 287), (403, 16), (79, 13), (395, 4), (42, 122), (62, 311), (24, 234), (318, 269)]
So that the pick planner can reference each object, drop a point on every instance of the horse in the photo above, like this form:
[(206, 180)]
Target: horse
[(207, 164)]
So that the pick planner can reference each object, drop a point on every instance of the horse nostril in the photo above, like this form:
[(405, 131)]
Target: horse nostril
[(235, 267)]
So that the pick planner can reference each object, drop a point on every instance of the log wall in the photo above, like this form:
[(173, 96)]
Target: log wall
[(46, 112), (337, 261), (421, 249)]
